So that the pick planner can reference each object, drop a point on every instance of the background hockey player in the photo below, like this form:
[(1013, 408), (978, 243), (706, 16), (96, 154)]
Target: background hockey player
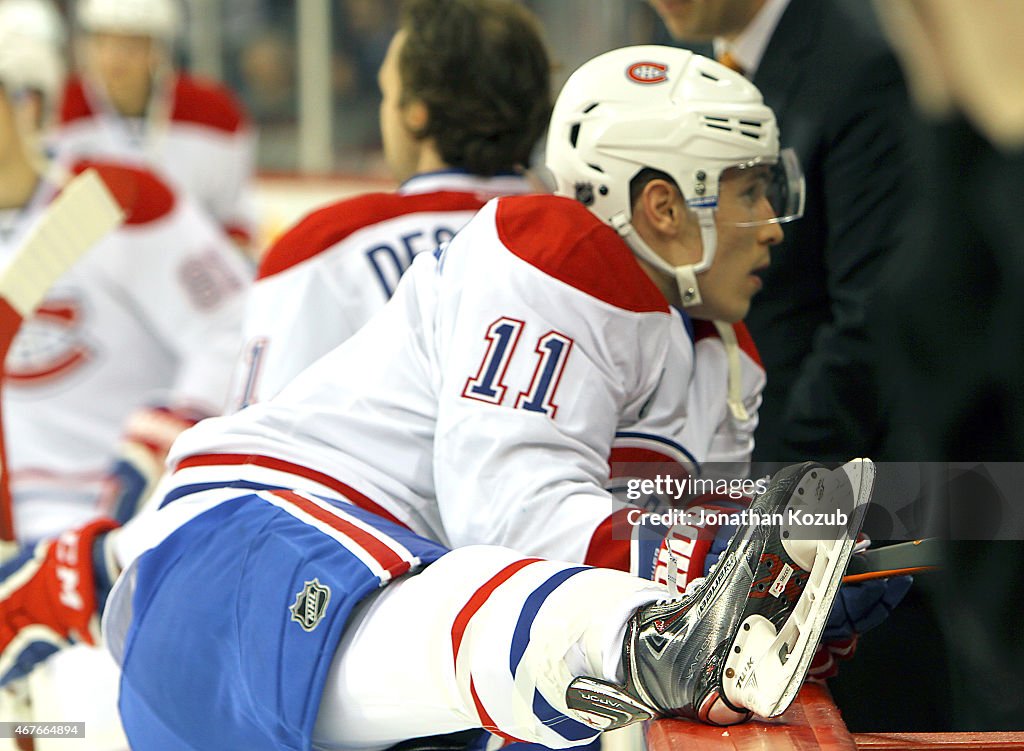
[(450, 430), (453, 141), (133, 345), (130, 104)]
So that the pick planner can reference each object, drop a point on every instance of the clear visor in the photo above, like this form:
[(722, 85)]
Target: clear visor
[(761, 192)]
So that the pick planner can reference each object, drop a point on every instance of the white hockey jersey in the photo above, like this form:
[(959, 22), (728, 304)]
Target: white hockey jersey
[(487, 401), (196, 137), (150, 316), (325, 277)]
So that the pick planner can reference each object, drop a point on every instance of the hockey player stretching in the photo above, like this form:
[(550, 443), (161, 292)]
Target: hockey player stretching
[(464, 435)]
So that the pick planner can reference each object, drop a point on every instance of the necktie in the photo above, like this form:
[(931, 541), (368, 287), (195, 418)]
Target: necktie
[(730, 62)]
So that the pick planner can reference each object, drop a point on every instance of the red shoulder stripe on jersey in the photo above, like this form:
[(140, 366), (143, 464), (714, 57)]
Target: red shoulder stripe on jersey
[(610, 544), (561, 238), (705, 329), (746, 342), (326, 227), (143, 196), (74, 104), (206, 103), (280, 465)]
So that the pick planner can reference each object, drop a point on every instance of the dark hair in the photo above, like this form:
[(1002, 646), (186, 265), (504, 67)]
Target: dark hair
[(642, 178), (482, 71)]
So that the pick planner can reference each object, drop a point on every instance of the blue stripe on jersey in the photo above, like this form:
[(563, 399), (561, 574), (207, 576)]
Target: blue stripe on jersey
[(687, 323), (663, 440), (521, 635), (566, 727), (198, 487), (240, 671)]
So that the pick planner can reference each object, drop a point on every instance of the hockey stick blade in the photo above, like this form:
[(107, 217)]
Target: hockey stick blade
[(81, 215)]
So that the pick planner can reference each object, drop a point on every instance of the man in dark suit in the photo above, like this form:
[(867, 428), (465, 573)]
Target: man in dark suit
[(828, 73), (826, 69)]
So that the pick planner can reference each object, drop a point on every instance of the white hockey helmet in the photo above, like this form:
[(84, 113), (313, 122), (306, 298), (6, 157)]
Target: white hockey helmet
[(31, 48), (160, 19), (38, 19), (670, 110)]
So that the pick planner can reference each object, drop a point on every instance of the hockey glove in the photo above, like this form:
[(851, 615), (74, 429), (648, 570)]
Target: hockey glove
[(50, 597), (859, 608), (147, 438), (689, 550)]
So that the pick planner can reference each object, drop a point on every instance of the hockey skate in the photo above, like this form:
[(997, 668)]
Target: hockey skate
[(742, 642)]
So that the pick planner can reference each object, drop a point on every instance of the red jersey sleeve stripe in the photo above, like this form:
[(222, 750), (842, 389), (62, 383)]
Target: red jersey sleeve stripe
[(143, 196), (479, 598), (74, 105), (706, 329), (208, 104), (485, 719), (326, 227), (610, 544), (563, 239)]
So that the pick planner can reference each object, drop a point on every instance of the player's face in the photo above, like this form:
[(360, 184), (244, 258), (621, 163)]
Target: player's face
[(742, 252), (705, 19), (125, 65), (401, 147)]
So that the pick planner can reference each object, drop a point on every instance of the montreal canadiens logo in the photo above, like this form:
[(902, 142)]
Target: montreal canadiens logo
[(647, 72), (50, 345)]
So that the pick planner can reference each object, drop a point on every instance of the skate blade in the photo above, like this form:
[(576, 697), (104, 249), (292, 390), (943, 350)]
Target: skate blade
[(765, 668)]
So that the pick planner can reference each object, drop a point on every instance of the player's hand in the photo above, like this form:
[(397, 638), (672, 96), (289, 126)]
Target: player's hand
[(148, 435), (48, 598)]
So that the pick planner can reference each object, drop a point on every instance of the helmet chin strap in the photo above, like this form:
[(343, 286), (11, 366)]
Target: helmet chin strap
[(689, 292), (686, 275)]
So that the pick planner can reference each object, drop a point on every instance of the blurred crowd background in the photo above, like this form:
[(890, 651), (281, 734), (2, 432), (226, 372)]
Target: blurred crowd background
[(307, 71)]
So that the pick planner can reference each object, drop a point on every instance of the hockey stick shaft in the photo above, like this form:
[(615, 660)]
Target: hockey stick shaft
[(83, 213), (914, 557)]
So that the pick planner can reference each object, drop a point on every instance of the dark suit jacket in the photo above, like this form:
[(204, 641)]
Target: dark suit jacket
[(841, 103)]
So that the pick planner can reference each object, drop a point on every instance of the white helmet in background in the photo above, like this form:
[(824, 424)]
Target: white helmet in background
[(38, 19), (31, 48), (670, 110), (159, 19)]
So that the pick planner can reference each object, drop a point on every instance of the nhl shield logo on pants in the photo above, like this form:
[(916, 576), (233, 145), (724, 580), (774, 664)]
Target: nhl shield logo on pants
[(310, 605)]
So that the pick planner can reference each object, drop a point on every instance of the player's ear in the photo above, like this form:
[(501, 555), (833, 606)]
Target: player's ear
[(416, 115), (660, 205)]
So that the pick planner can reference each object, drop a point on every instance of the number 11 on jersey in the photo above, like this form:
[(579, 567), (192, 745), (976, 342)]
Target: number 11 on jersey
[(488, 385)]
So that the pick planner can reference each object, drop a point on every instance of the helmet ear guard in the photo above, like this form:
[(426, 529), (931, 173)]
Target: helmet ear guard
[(670, 110)]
